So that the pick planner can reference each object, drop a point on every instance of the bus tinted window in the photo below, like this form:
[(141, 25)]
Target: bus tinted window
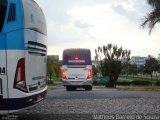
[(76, 57), (3, 7)]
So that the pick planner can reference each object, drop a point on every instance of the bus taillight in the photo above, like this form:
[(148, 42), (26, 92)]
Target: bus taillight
[(89, 74), (64, 74), (76, 58), (20, 78)]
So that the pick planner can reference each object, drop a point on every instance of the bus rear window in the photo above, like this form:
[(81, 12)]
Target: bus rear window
[(3, 8), (77, 57)]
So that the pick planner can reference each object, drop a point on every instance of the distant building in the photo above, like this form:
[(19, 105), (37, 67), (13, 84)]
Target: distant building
[(139, 61)]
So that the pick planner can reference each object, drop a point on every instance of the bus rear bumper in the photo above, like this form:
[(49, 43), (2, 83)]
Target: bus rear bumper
[(77, 82), (17, 104)]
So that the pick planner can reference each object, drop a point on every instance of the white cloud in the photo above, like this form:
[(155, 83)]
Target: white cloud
[(92, 23)]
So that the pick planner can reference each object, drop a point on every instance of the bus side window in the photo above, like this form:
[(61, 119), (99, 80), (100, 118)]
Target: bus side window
[(3, 7)]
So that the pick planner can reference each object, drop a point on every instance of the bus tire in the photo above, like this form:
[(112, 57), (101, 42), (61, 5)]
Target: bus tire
[(69, 88), (88, 88)]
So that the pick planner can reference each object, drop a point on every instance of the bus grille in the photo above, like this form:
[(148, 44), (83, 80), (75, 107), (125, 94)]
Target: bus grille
[(36, 48)]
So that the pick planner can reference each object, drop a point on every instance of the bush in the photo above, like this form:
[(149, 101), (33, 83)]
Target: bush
[(143, 83), (157, 83), (50, 82), (96, 83), (124, 82)]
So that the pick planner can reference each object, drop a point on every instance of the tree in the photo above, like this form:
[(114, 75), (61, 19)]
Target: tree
[(111, 65), (132, 69), (151, 65), (94, 70), (154, 16), (53, 67), (50, 68), (125, 62), (141, 69)]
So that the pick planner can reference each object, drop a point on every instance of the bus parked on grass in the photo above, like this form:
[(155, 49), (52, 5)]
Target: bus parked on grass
[(76, 69), (23, 55)]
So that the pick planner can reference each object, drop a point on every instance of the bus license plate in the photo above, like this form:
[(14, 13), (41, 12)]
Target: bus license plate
[(39, 97), (76, 83)]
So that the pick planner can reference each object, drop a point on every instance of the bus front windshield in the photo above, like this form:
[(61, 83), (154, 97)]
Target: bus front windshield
[(77, 57), (3, 7)]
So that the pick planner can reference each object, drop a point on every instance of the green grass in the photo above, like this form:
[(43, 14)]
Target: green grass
[(136, 78), (152, 88)]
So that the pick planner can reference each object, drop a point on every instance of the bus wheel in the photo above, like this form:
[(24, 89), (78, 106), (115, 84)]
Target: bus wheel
[(69, 88), (73, 88), (88, 88)]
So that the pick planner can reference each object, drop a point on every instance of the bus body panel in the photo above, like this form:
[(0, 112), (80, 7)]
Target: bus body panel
[(34, 17), (15, 51), (77, 76), (35, 42), (3, 71), (35, 56), (35, 80), (3, 65), (77, 73), (16, 23), (12, 57), (14, 41), (3, 68), (22, 27)]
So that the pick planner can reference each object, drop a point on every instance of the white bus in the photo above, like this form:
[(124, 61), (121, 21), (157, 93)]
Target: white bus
[(23, 55), (76, 69)]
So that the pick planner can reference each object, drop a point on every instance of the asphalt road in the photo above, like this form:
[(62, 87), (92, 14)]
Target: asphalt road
[(98, 104)]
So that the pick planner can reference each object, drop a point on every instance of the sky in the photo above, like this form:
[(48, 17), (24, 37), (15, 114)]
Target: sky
[(93, 23)]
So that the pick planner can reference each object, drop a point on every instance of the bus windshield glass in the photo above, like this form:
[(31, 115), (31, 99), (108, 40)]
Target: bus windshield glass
[(76, 57), (3, 7)]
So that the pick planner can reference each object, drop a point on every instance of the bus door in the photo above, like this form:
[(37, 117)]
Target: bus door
[(3, 73)]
